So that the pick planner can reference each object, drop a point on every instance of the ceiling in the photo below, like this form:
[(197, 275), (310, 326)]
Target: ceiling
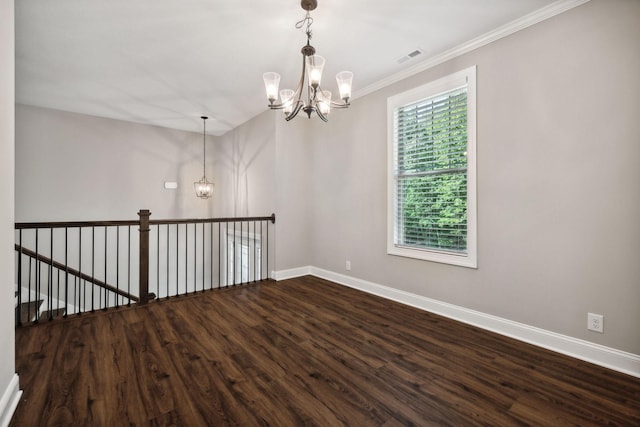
[(166, 63)]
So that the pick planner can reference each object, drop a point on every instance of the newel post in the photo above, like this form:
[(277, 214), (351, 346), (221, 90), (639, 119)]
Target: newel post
[(144, 255)]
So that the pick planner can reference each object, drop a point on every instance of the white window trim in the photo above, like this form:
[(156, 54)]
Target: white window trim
[(470, 259)]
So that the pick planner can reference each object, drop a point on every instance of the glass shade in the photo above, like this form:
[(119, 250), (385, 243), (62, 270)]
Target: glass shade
[(315, 64), (324, 102), (344, 79), (204, 188), (271, 83), (286, 97)]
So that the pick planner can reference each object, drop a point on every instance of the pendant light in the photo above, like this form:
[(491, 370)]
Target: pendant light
[(204, 188)]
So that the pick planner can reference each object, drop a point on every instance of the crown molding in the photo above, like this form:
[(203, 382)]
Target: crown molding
[(526, 21)]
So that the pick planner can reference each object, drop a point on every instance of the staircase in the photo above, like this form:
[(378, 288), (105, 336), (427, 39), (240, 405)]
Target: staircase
[(26, 312), (49, 289), (36, 310)]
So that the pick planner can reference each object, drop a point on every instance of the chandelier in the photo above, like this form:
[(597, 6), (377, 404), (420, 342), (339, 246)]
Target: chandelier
[(317, 100), (204, 188)]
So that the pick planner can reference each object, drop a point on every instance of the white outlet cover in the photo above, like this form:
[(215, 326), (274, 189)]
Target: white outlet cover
[(595, 322)]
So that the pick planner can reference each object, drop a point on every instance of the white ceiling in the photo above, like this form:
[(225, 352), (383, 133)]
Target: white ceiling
[(168, 62)]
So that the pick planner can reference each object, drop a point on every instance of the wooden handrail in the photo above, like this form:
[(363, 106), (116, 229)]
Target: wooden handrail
[(75, 272), (271, 218), (78, 224), (73, 224)]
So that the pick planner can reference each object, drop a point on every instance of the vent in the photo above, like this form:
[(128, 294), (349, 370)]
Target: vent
[(408, 56)]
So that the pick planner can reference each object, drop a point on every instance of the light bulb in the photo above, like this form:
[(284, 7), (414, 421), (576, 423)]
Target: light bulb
[(271, 83)]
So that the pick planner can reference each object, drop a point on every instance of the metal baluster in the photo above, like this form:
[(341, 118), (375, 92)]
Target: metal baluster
[(186, 257), (93, 259), (66, 274), (226, 252), (129, 263), (29, 296), (118, 265), (211, 254), (158, 260), (168, 246), (177, 257), (50, 275), (80, 282), (36, 311), (106, 303), (57, 287), (19, 315), (203, 265), (195, 255), (241, 255)]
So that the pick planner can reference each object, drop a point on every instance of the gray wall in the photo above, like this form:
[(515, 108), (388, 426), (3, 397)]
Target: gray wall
[(77, 167), (558, 180), (244, 163), (294, 200), (7, 128)]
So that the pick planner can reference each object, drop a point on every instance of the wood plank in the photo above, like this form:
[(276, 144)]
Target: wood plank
[(303, 351)]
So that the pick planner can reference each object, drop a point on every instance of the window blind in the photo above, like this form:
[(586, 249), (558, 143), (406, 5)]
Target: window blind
[(430, 158)]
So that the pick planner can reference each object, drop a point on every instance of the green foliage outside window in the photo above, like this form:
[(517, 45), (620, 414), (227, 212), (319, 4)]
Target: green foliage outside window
[(431, 174)]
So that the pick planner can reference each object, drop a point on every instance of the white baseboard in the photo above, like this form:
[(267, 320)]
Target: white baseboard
[(291, 273), (9, 401), (617, 360)]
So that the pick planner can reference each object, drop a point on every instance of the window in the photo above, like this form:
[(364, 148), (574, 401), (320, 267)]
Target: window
[(432, 179)]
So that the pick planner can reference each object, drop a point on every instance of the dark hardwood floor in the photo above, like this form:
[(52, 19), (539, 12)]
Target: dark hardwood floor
[(302, 352)]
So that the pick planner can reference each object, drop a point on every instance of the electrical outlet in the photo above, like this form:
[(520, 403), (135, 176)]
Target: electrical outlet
[(595, 322), (347, 265)]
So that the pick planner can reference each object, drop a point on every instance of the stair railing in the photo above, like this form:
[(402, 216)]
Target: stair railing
[(65, 268)]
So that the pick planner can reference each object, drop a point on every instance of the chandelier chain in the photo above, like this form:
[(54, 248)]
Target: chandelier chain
[(308, 20), (204, 145)]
